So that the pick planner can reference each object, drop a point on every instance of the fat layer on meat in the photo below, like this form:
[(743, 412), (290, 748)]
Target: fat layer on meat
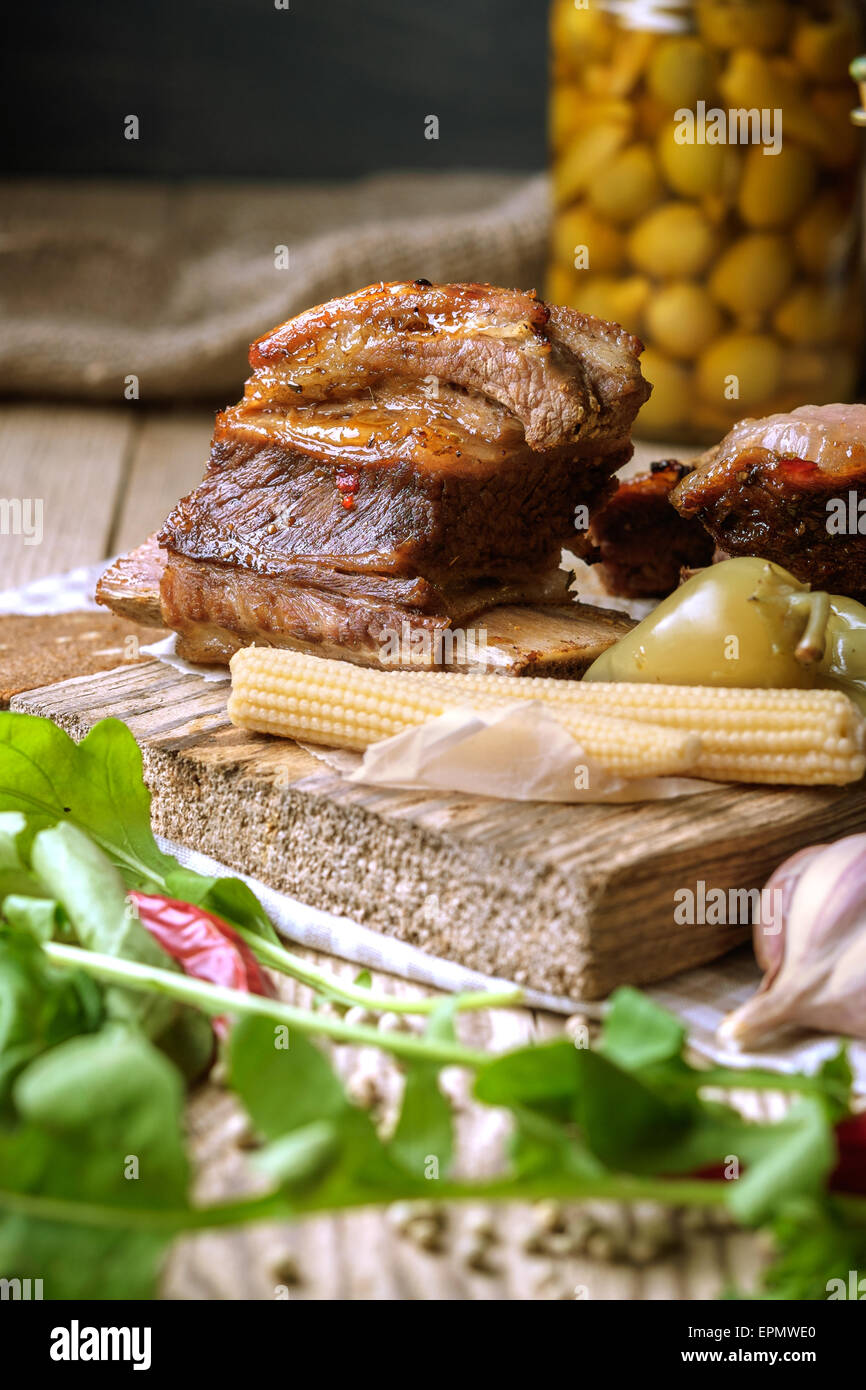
[(776, 488)]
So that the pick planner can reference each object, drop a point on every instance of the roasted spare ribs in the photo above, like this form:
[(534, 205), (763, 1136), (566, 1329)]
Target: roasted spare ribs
[(411, 453), (789, 488), (637, 540)]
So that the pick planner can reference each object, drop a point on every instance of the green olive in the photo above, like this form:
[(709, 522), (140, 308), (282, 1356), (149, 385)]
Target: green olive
[(696, 171), (578, 228), (744, 622), (824, 235), (668, 406), (620, 75), (585, 157), (823, 48), (563, 113), (560, 287), (681, 318), (841, 145), (812, 315), (754, 81), (775, 187), (583, 32), (744, 23), (681, 72), (571, 110), (756, 84), (742, 370), (627, 187), (752, 275), (617, 300), (674, 241)]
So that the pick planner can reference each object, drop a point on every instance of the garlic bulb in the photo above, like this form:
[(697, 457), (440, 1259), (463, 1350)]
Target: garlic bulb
[(813, 951)]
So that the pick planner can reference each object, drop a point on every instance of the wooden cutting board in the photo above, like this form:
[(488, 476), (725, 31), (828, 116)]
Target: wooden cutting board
[(573, 900)]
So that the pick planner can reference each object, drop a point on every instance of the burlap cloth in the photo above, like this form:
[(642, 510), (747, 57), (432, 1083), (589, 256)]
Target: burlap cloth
[(172, 283)]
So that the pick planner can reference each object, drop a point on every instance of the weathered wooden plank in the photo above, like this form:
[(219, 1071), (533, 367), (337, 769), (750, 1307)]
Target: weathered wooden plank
[(569, 899), (69, 459), (168, 461)]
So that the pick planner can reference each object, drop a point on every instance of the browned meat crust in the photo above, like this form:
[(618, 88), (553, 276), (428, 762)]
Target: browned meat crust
[(639, 543), (566, 377), (218, 608), (130, 586), (274, 508), (773, 488)]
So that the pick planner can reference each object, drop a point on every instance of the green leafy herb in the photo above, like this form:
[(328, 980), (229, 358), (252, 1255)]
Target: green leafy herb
[(93, 1174), (99, 1125), (40, 1006)]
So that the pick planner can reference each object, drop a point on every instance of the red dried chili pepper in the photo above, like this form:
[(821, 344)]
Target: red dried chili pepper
[(348, 483), (202, 944), (849, 1175)]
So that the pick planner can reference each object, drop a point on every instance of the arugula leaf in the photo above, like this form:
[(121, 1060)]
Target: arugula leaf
[(424, 1134), (228, 898), (76, 872), (40, 1006), (99, 1121), (289, 1090), (836, 1077), (41, 918), (620, 1115), (543, 1075), (14, 875), (540, 1147), (790, 1158), (98, 786), (300, 1155), (817, 1246), (424, 1130), (638, 1032), (283, 1087)]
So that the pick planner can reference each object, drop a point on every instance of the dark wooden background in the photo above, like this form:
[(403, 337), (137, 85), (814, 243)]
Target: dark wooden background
[(235, 88)]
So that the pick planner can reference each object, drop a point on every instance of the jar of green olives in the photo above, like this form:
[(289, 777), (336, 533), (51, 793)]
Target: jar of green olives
[(706, 180)]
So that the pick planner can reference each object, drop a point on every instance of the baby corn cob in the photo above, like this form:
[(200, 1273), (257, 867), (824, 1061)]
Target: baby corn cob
[(277, 691), (805, 737)]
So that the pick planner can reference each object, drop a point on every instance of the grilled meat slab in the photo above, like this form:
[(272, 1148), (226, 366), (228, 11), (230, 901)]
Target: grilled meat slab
[(777, 487), (397, 487), (637, 540), (566, 377), (409, 452)]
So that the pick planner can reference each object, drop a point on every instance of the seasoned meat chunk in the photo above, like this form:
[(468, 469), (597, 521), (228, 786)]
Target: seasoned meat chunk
[(789, 488), (411, 453), (639, 543)]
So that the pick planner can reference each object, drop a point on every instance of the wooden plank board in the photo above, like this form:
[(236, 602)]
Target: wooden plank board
[(72, 461), (168, 461), (567, 899)]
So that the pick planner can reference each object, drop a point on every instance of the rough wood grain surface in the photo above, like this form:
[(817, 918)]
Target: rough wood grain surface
[(572, 900), (72, 462), (167, 461)]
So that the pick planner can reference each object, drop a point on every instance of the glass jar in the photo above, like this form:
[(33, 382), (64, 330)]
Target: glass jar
[(706, 181)]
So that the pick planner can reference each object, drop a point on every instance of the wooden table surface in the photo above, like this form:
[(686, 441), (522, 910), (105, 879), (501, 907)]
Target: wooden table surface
[(107, 477)]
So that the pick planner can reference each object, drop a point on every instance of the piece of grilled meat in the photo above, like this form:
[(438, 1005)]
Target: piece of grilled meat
[(789, 488), (409, 453), (637, 540)]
